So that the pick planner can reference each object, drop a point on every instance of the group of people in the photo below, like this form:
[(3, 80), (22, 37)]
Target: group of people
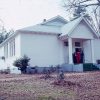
[(78, 56)]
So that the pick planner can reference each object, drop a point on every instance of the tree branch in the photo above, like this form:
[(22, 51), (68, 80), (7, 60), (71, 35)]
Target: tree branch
[(72, 5), (84, 1)]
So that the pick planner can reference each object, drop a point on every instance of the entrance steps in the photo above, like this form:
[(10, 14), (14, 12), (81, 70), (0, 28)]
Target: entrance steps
[(72, 67)]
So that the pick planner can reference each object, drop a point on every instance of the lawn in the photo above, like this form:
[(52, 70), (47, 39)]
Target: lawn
[(86, 86)]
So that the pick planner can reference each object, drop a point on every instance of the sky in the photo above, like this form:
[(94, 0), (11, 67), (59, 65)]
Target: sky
[(16, 14)]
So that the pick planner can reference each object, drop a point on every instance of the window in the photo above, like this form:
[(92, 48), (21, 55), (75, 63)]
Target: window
[(77, 44), (6, 50), (12, 48), (65, 43)]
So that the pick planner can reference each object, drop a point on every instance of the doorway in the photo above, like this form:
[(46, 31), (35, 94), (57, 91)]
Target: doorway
[(78, 56)]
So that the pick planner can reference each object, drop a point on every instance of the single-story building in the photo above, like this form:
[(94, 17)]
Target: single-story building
[(52, 42)]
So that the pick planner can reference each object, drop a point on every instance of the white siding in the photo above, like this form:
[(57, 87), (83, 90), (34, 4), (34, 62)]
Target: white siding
[(2, 64), (44, 50), (10, 59), (87, 51), (82, 31), (97, 49), (6, 52), (65, 54)]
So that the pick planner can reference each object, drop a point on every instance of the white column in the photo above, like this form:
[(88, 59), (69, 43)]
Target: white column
[(70, 50), (92, 50)]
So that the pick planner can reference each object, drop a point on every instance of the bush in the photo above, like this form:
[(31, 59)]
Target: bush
[(22, 63), (29, 70), (47, 73), (61, 76), (89, 67), (58, 68), (44, 70), (52, 69), (35, 69)]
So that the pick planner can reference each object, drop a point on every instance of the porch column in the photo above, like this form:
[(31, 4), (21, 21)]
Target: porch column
[(70, 50), (92, 50)]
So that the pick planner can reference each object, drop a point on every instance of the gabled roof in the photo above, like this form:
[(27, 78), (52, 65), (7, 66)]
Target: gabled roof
[(41, 28), (48, 26), (65, 29), (60, 18), (57, 25), (70, 26)]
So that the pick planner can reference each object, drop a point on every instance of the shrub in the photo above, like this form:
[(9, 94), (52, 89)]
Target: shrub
[(47, 73), (58, 68), (35, 69), (52, 69), (60, 79), (22, 63), (61, 76), (89, 67), (44, 70)]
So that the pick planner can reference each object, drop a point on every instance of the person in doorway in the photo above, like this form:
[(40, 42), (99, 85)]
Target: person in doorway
[(74, 58), (78, 56), (82, 57)]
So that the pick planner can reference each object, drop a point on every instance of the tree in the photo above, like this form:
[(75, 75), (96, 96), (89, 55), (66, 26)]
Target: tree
[(79, 11), (4, 34), (22, 63), (85, 7)]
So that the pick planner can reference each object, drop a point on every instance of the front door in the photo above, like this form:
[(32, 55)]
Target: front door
[(78, 56), (79, 49)]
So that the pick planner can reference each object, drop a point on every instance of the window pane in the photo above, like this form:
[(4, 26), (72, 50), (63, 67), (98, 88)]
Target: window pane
[(77, 44), (65, 43), (6, 50), (12, 48)]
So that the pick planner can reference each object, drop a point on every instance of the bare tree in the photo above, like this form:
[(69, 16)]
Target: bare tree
[(91, 7), (4, 34)]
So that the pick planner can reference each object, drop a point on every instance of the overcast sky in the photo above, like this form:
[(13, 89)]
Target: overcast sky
[(21, 13)]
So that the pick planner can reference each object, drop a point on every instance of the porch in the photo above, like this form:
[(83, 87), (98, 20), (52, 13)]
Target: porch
[(84, 45), (80, 67)]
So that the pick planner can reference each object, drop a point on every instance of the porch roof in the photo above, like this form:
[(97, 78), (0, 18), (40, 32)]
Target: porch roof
[(70, 26)]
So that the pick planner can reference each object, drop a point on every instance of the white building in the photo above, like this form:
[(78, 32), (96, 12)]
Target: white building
[(51, 43)]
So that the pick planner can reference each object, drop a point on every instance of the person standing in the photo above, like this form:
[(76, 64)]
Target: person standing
[(78, 56)]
